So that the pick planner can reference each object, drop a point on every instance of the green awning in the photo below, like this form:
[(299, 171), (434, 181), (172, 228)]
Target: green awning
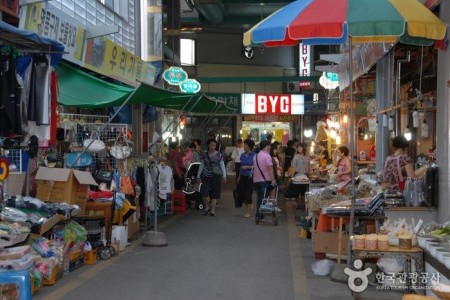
[(79, 89), (196, 103)]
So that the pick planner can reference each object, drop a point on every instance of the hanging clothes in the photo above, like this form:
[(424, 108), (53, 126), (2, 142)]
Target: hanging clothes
[(39, 103), (32, 94), (140, 180), (54, 115), (150, 184), (164, 181), (24, 66), (43, 103), (15, 100), (10, 100), (5, 121)]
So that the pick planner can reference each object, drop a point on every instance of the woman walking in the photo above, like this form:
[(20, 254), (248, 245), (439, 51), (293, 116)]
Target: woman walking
[(300, 162), (245, 179), (211, 172), (263, 177)]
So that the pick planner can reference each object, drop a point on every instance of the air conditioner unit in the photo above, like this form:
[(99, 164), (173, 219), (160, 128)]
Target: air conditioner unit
[(291, 87)]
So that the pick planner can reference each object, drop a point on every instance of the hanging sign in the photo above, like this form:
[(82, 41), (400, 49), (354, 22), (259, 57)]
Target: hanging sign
[(305, 64), (112, 60), (273, 104), (4, 169), (175, 75), (329, 80), (54, 25), (190, 86), (97, 54)]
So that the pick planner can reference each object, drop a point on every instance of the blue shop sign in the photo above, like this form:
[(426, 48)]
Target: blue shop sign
[(190, 86), (175, 75)]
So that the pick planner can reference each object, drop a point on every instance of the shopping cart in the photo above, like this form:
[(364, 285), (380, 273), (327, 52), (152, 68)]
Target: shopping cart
[(268, 207)]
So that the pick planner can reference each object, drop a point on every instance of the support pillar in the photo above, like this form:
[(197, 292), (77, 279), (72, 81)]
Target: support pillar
[(443, 121), (384, 98)]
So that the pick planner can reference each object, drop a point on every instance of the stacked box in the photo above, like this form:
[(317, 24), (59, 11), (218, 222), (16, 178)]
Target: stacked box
[(64, 185)]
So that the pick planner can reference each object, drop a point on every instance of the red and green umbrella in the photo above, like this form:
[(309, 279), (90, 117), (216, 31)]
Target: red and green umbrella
[(334, 21)]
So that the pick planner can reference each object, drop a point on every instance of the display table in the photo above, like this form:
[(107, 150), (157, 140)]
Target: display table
[(330, 219), (404, 256)]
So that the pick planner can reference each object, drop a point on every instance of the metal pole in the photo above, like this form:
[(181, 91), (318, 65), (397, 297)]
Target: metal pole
[(352, 150), (182, 109), (397, 90), (154, 238)]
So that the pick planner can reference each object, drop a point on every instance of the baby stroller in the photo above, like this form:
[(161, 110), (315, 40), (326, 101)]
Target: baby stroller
[(269, 206), (192, 187)]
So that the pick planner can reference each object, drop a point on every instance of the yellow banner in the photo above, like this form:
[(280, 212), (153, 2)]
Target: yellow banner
[(56, 27), (98, 54), (107, 58)]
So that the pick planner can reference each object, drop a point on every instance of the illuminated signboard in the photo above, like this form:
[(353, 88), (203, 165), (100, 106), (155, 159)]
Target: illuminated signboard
[(175, 75), (272, 104), (329, 80), (190, 86), (305, 64)]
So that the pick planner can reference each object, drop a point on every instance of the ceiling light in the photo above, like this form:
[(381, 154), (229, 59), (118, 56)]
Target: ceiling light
[(407, 133)]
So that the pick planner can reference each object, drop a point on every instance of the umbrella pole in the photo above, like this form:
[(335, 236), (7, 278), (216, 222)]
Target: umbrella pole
[(352, 151)]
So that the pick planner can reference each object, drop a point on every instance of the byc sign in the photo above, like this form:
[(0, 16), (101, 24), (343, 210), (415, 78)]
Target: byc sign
[(274, 104)]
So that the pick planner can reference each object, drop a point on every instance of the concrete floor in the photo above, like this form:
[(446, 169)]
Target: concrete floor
[(226, 257)]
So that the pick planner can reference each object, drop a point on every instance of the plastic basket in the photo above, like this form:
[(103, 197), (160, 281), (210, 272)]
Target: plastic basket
[(90, 257)]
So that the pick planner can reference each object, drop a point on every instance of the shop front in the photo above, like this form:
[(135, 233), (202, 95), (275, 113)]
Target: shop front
[(258, 127), (277, 115)]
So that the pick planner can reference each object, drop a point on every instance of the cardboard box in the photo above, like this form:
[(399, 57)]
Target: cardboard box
[(327, 242), (63, 185), (15, 183), (133, 225), (55, 219)]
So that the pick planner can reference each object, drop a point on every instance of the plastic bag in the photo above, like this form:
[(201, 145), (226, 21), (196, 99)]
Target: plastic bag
[(87, 246), (389, 265), (323, 267), (75, 232)]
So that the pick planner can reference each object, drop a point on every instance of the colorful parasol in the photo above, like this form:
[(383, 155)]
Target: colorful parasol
[(333, 21)]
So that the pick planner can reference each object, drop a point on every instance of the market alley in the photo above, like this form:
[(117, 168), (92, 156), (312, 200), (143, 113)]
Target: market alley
[(223, 257)]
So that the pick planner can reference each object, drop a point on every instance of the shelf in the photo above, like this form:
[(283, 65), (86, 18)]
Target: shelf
[(410, 208), (391, 249), (365, 162)]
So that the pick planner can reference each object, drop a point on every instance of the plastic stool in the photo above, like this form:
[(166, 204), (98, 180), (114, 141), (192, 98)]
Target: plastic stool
[(21, 278), (178, 203)]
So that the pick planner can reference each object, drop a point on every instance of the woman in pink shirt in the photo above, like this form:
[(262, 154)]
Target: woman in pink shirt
[(345, 166), (263, 175)]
